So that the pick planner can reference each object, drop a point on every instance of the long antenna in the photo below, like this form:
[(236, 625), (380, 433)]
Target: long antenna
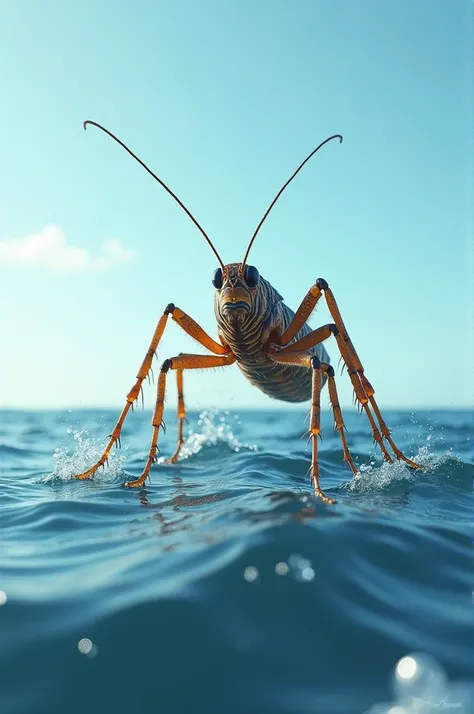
[(336, 136), (99, 126)]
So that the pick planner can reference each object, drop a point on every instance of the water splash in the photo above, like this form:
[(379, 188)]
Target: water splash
[(86, 452), (375, 476), (214, 428)]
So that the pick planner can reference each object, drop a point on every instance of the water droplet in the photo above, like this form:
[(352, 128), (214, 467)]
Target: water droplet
[(85, 645), (281, 568), (406, 668), (250, 574)]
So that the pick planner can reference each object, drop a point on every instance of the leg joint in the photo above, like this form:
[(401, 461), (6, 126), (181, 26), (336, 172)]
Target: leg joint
[(315, 363), (170, 308), (330, 371), (322, 284), (167, 364), (333, 329)]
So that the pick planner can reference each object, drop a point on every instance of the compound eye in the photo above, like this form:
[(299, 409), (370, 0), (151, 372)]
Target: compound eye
[(217, 278), (251, 276)]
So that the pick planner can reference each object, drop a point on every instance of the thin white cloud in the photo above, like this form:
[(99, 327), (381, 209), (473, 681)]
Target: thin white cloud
[(50, 249)]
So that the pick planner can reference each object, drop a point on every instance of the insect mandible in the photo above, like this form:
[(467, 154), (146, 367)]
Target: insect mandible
[(273, 346)]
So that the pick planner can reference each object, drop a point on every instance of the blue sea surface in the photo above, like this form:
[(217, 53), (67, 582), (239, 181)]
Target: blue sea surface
[(225, 586)]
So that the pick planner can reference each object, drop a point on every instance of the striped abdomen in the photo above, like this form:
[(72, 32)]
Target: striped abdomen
[(247, 341)]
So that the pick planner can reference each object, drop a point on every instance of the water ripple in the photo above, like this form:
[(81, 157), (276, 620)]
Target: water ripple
[(224, 573)]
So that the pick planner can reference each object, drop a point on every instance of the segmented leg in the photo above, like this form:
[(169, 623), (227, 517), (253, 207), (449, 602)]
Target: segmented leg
[(338, 420), (315, 427), (304, 359), (181, 416), (180, 362), (354, 365), (314, 338), (189, 326), (363, 389), (302, 315)]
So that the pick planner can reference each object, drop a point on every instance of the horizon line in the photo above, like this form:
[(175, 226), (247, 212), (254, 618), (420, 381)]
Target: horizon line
[(289, 407)]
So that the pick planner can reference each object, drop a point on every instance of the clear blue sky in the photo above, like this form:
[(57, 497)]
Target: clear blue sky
[(223, 100)]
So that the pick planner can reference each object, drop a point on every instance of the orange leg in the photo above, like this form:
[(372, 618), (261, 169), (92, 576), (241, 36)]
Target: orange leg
[(338, 420), (304, 359), (315, 428), (302, 315), (189, 326), (314, 338), (354, 365), (363, 389), (181, 416), (179, 363)]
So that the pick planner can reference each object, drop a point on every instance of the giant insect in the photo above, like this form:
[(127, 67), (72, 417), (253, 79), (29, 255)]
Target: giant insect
[(273, 346)]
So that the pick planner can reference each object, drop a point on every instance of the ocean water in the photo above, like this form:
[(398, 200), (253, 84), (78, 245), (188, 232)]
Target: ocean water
[(224, 586)]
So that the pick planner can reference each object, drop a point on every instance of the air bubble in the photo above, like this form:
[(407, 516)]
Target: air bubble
[(281, 568), (250, 574)]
